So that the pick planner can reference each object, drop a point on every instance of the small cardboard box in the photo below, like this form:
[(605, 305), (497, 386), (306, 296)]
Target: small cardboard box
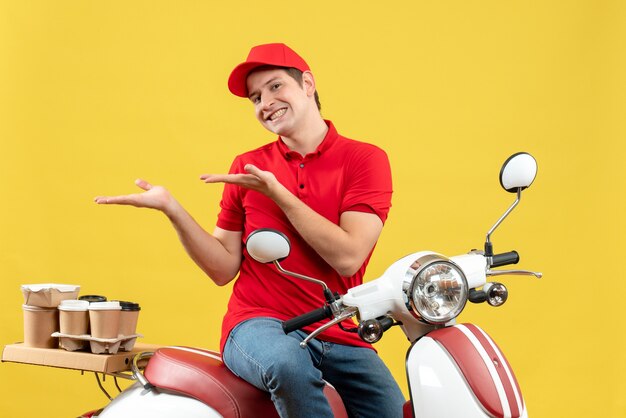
[(48, 295), (57, 357)]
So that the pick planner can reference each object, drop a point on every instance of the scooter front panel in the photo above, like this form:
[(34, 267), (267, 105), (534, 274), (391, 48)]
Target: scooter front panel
[(436, 385), (483, 367)]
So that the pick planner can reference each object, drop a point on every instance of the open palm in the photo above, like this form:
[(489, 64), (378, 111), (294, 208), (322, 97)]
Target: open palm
[(154, 197)]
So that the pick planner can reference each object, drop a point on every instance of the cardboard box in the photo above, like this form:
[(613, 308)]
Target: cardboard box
[(58, 357), (48, 295)]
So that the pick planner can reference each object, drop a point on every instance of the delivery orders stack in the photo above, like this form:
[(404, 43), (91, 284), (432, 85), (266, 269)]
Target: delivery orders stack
[(54, 316)]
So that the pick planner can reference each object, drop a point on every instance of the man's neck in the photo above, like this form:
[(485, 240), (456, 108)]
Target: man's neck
[(308, 137)]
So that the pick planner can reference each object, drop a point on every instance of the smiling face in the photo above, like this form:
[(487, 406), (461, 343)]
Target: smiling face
[(281, 104)]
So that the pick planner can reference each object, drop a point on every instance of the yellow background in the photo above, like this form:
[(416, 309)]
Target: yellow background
[(94, 94)]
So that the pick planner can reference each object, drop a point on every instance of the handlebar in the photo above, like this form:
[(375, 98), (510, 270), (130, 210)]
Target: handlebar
[(307, 319), (503, 259)]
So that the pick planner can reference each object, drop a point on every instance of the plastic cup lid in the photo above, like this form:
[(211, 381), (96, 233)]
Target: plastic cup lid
[(105, 306), (129, 306), (73, 305), (93, 298)]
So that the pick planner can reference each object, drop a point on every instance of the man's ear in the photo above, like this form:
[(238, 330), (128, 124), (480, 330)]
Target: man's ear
[(308, 83)]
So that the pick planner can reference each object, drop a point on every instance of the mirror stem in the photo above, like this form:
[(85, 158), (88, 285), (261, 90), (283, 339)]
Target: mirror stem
[(488, 245), (327, 293)]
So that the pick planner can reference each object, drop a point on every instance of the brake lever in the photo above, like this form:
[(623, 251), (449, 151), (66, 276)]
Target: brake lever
[(348, 313), (514, 273)]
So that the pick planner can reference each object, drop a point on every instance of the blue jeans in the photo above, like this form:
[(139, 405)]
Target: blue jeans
[(258, 351)]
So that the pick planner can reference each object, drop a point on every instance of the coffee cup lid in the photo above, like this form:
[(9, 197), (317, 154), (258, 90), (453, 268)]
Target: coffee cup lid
[(105, 306), (73, 305), (93, 298), (129, 306)]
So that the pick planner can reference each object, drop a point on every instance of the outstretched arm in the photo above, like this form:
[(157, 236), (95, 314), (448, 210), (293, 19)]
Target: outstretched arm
[(218, 255), (344, 247)]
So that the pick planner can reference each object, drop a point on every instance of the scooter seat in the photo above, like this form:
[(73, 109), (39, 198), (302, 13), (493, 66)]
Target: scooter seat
[(202, 375)]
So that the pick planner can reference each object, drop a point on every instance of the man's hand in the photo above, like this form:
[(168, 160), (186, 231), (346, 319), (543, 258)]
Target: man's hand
[(256, 179), (218, 255), (154, 197), (344, 247)]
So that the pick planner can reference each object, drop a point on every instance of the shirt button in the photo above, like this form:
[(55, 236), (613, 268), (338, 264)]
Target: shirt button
[(301, 165), (302, 186)]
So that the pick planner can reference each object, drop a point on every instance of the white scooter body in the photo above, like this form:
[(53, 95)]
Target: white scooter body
[(434, 374), (138, 402), (439, 388)]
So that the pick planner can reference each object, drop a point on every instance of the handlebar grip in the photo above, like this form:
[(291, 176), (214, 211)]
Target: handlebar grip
[(503, 259), (307, 319)]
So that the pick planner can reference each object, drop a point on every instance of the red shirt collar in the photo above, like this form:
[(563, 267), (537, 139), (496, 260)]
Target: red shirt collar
[(327, 142)]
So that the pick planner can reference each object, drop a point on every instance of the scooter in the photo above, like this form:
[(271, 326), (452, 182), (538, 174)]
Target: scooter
[(453, 370)]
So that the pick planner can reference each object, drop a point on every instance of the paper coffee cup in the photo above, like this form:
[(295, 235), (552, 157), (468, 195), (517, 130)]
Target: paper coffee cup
[(74, 317), (39, 324), (104, 318), (129, 317)]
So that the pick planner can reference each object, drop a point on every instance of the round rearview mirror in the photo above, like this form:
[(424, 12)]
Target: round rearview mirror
[(267, 245), (518, 172)]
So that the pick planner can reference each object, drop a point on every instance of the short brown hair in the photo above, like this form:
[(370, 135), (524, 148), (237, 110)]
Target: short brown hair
[(297, 75)]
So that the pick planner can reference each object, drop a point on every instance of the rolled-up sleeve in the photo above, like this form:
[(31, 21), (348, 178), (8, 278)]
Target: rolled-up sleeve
[(369, 186)]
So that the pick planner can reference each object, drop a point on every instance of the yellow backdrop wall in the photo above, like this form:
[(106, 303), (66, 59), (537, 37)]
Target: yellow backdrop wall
[(94, 94)]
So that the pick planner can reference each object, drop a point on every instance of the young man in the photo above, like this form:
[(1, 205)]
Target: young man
[(330, 195)]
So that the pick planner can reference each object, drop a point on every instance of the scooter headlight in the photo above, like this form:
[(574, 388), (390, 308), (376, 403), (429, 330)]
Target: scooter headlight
[(438, 289)]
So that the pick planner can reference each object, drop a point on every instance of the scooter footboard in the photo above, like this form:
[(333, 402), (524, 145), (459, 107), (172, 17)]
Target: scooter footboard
[(460, 371)]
